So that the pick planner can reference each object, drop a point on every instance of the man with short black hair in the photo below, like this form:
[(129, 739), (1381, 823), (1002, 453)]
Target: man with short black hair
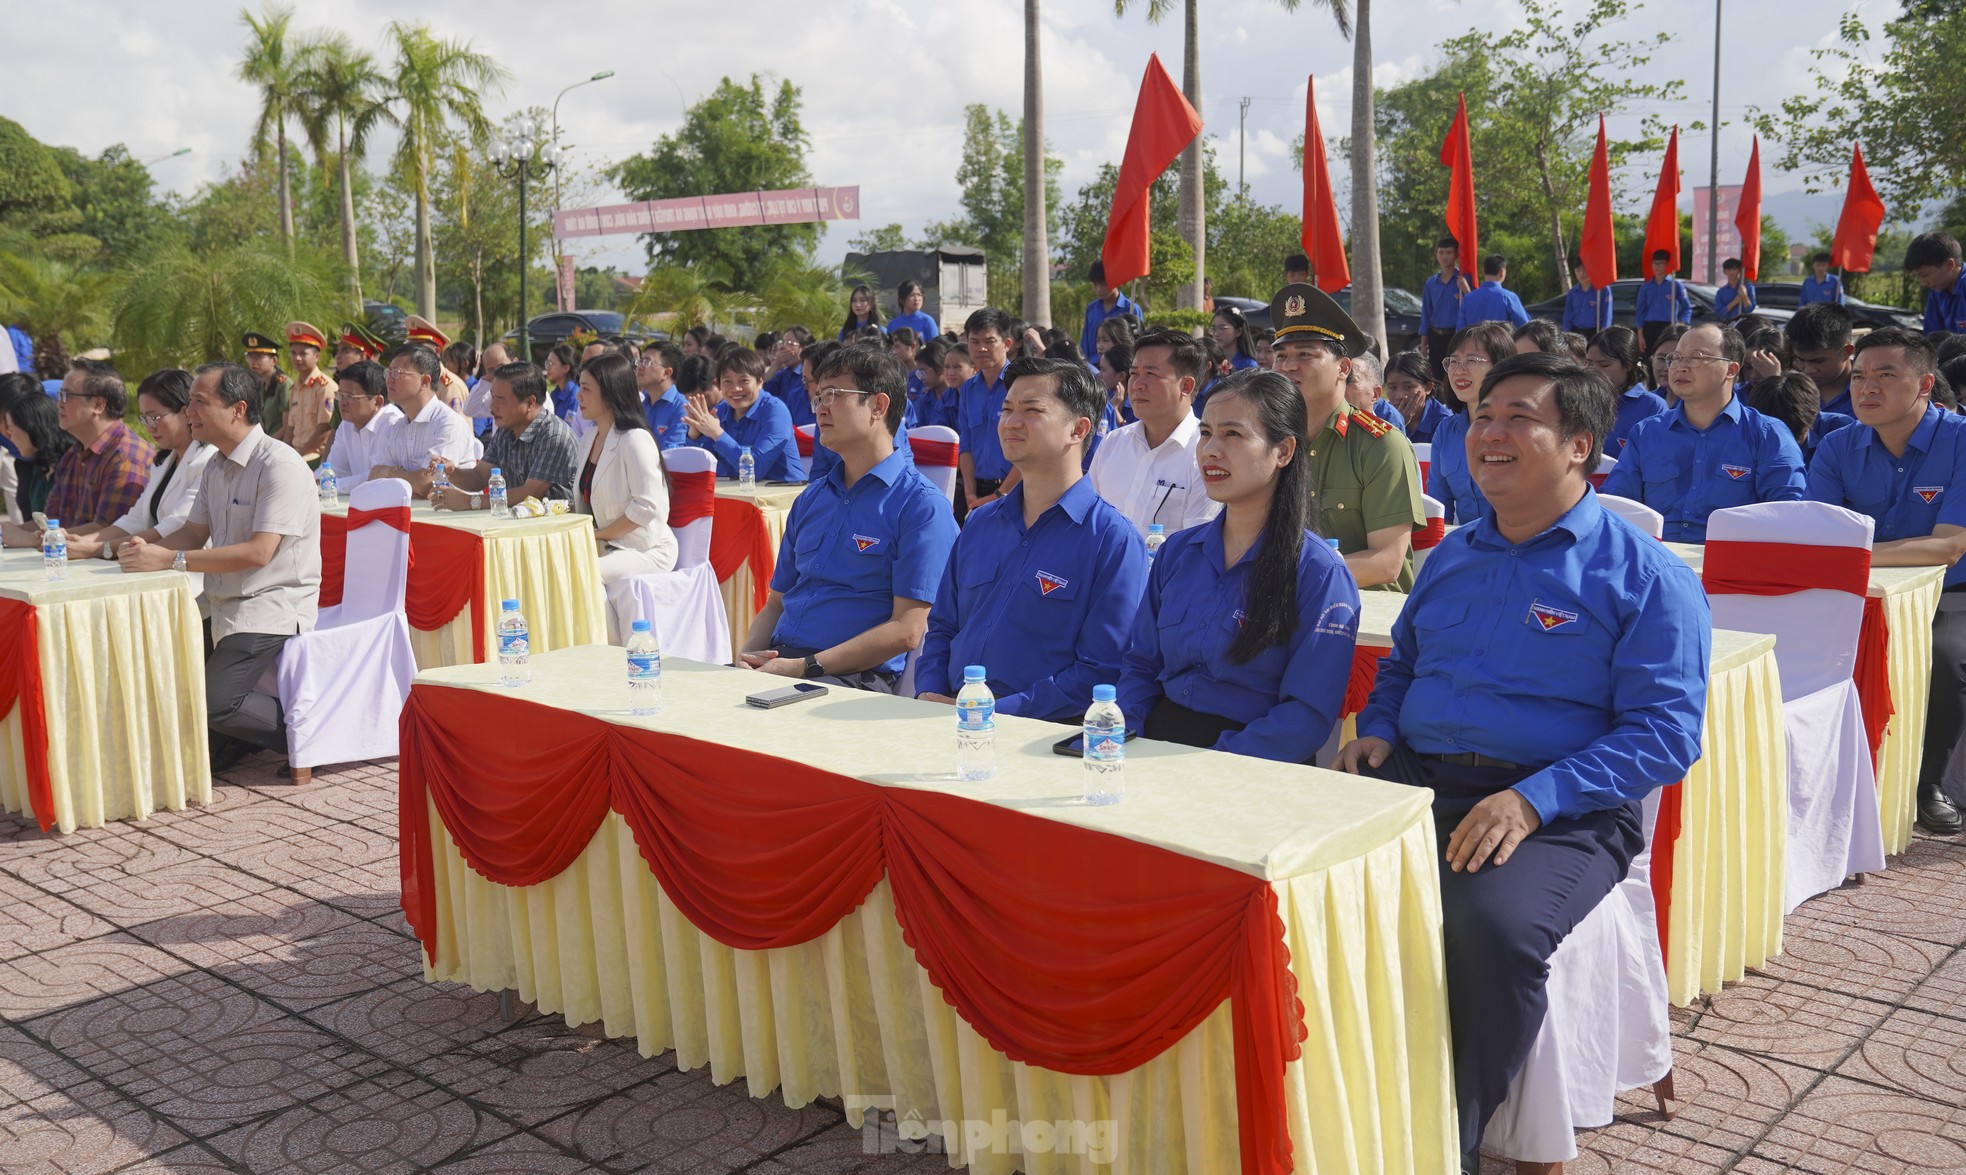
[(655, 375), (786, 379), (1107, 302), (1146, 469), (1296, 269), (429, 430), (97, 481), (1662, 300), (980, 462), (1821, 285), (1736, 298), (532, 449), (1491, 301), (1934, 259), (746, 418), (362, 394), (1440, 304), (1820, 348)]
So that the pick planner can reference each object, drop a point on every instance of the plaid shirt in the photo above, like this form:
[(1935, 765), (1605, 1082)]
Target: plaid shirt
[(546, 451), (100, 482)]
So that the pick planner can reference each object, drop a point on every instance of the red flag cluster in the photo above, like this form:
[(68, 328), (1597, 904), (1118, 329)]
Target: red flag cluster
[(1457, 154), (1598, 250), (1324, 238), (1163, 125), (1863, 215)]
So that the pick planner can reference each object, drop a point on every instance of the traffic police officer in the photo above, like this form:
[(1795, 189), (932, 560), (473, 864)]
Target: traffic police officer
[(310, 420), (263, 360)]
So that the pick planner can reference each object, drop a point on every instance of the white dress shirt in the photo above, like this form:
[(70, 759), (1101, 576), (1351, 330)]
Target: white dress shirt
[(185, 482), (408, 442), (1160, 484), (354, 451)]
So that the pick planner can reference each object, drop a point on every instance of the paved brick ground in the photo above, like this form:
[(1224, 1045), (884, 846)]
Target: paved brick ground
[(233, 989)]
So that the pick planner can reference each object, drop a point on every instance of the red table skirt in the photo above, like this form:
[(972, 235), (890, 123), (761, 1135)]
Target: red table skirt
[(1065, 948), (447, 575), (738, 536), (20, 685)]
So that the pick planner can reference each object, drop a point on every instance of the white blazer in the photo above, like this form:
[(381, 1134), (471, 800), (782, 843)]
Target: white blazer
[(628, 481), (178, 496)]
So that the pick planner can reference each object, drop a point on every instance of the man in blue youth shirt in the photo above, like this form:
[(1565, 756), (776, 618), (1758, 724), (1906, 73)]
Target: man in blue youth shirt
[(1547, 673), (1586, 308), (1491, 301), (1661, 301), (1440, 305), (909, 301), (1736, 298), (979, 457), (787, 382), (746, 419), (655, 375), (1107, 302), (1821, 285), (1043, 583), (1709, 451), (1904, 464), (864, 546), (1933, 258), (1820, 347), (823, 458)]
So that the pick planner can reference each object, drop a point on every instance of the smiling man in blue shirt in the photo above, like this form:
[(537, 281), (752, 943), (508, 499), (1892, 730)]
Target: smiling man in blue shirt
[(1043, 583), (1491, 301), (746, 418), (1547, 673), (1904, 464), (1709, 451), (864, 546)]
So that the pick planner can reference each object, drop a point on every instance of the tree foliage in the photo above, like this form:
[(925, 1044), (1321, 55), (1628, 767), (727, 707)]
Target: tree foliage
[(32, 185), (991, 178), (181, 308)]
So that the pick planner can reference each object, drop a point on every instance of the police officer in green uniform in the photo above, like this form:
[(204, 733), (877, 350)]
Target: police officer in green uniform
[(263, 360), (1365, 481)]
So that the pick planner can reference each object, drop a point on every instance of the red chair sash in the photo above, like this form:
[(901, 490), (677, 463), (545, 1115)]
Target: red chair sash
[(737, 537), (938, 454), (1424, 466), (805, 440), (1782, 569), (1872, 675), (1665, 847), (692, 496), (20, 685), (1063, 947), (446, 574), (396, 517), (1365, 674), (1429, 536)]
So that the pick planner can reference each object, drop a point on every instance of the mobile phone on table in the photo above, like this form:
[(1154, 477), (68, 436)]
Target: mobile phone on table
[(796, 692), (1073, 746)]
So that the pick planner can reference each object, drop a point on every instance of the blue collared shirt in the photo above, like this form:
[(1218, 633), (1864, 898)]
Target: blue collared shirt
[(1945, 310), (766, 431), (925, 328), (1722, 296), (1587, 308), (1440, 303), (1662, 300), (665, 416), (1830, 289), (1906, 496), (1046, 609), (566, 403), (1583, 652), (1096, 313), (1384, 410), (1449, 480), (788, 387), (977, 410), (1825, 424), (1638, 403), (1290, 696), (938, 405), (1432, 416), (1686, 474), (823, 458), (1491, 302), (1840, 403), (848, 553)]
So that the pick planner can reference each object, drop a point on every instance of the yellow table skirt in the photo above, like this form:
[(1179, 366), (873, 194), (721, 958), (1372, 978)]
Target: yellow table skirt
[(123, 689), (552, 569), (1908, 664), (773, 504), (852, 1014)]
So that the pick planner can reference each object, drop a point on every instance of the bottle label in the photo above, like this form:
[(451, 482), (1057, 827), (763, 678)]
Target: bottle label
[(644, 666), (512, 644), (976, 716), (1104, 745)]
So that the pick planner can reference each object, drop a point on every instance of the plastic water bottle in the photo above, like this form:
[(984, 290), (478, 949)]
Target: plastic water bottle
[(54, 551), (1156, 535), (747, 469), (514, 650), (330, 492), (644, 671), (495, 492), (439, 478), (976, 727), (1333, 544), (1105, 748)]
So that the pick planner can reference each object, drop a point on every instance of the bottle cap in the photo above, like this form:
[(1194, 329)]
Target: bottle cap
[(639, 626), (1332, 543), (509, 605), (496, 472), (973, 673), (1156, 528), (54, 523), (744, 449), (1103, 693)]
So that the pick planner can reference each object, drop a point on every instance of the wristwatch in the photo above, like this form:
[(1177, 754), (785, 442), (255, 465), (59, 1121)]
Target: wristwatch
[(813, 667), (177, 562), (109, 552)]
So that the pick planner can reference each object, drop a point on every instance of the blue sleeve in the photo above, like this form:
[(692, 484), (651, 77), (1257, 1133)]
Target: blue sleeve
[(1314, 680), (1659, 672), (1461, 315), (1089, 338), (1604, 308), (1779, 476), (1825, 477), (1754, 298), (1935, 317), (1102, 642), (728, 450), (1517, 314), (776, 450), (1380, 718), (1624, 480), (1682, 302), (1569, 300), (944, 621), (925, 536), (1140, 669), (1426, 308), (1836, 286), (785, 573)]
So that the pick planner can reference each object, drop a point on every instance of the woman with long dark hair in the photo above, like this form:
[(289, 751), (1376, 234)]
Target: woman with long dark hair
[(32, 425), (1243, 642), (1231, 332), (1470, 354), (861, 313), (1613, 353), (562, 384), (621, 482)]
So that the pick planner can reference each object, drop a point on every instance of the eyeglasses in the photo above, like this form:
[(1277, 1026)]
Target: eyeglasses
[(400, 373), (1688, 357), (1456, 362), (68, 397), (153, 419), (824, 397)]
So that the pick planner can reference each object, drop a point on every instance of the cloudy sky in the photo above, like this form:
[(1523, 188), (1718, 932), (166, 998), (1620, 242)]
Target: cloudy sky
[(885, 83)]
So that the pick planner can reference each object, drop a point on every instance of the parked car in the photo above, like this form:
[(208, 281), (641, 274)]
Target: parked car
[(1625, 293), (1402, 314), (547, 331), (1867, 315), (389, 321)]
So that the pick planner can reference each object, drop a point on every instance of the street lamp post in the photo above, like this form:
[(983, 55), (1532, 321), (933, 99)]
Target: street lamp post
[(522, 154), (603, 75)]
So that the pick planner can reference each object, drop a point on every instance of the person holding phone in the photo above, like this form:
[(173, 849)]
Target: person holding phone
[(1243, 641)]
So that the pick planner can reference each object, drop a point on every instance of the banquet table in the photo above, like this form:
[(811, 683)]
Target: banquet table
[(814, 902), (102, 687), (1908, 597), (744, 548), (464, 562), (1718, 875)]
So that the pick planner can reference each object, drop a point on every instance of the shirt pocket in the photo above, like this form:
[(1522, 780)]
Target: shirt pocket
[(1661, 479)]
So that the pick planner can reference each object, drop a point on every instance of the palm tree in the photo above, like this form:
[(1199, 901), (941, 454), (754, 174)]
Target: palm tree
[(436, 83), (1037, 250), (177, 308), (58, 302), (1368, 284), (273, 61), (345, 100)]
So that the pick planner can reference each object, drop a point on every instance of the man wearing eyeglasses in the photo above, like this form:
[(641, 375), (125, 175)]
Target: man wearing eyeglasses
[(1709, 451), (665, 407), (362, 394), (429, 430), (864, 546), (97, 481)]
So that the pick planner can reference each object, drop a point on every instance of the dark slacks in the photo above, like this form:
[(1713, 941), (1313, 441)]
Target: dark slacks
[(234, 711), (1946, 703), (1503, 923), (1437, 341)]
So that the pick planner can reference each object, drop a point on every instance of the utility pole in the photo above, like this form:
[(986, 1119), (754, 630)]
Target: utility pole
[(1242, 132), (1713, 181)]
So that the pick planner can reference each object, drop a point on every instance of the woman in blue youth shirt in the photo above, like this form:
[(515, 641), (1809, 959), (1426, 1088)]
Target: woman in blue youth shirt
[(1472, 351), (1244, 639), (565, 388), (1231, 332), (1614, 355), (861, 313)]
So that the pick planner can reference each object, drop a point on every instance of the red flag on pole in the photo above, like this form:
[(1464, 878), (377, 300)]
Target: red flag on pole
[(1863, 214), (1662, 227), (1457, 153), (1747, 215), (1163, 124), (1598, 250), (1324, 239)]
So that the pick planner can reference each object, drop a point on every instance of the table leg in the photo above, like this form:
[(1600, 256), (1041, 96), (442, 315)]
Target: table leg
[(508, 1010)]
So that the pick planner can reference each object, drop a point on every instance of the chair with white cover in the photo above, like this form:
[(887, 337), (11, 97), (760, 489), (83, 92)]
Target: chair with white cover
[(1605, 465), (342, 686), (1635, 512), (692, 502), (684, 606), (1800, 571), (1423, 452), (934, 447), (1607, 1029), (1429, 536)]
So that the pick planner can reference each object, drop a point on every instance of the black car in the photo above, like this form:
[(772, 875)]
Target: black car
[(1625, 293), (390, 322), (547, 331), (1402, 314), (1866, 315)]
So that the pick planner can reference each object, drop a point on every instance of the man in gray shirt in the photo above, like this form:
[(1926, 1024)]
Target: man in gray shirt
[(533, 450), (258, 509)]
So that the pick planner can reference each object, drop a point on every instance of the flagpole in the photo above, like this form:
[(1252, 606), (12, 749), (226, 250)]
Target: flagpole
[(1713, 183)]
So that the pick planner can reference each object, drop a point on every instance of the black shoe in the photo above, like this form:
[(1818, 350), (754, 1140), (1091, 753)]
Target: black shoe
[(227, 753), (1471, 1162), (1936, 813)]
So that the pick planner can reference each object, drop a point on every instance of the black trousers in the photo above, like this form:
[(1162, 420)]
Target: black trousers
[(1437, 341), (1648, 334), (1503, 923), (234, 711), (1945, 705)]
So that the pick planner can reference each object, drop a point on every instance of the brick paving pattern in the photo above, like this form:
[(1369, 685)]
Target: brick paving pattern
[(233, 988)]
